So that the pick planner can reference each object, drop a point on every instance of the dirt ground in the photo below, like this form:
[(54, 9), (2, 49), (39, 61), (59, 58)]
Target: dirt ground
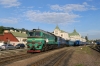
[(84, 56)]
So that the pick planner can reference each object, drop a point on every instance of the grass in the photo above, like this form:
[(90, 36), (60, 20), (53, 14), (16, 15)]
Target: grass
[(12, 52), (96, 63), (84, 49), (79, 65)]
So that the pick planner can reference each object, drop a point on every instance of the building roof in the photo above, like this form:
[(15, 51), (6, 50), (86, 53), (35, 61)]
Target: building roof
[(18, 34), (63, 31), (57, 27), (74, 33)]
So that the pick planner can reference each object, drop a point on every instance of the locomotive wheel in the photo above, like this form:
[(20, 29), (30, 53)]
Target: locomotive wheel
[(46, 47), (43, 49), (49, 47)]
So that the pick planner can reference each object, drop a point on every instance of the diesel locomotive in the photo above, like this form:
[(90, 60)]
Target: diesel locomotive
[(39, 40)]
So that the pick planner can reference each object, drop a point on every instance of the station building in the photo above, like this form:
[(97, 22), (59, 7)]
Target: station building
[(76, 36), (68, 36), (58, 32)]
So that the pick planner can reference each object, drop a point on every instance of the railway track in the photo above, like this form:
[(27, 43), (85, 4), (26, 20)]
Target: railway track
[(13, 52), (57, 59), (12, 58), (95, 47), (16, 57)]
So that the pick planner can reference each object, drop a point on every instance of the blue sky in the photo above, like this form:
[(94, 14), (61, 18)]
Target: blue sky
[(82, 15)]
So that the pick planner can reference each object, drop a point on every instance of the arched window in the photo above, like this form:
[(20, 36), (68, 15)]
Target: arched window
[(61, 35)]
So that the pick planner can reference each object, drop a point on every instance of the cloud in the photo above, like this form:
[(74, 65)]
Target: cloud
[(60, 15), (93, 8), (9, 3), (73, 7), (9, 20), (51, 17)]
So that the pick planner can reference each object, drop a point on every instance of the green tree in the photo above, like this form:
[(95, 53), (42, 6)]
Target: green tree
[(1, 29), (86, 38), (23, 29), (27, 31)]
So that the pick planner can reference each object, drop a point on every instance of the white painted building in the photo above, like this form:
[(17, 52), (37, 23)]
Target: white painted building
[(68, 36), (76, 36), (61, 33), (21, 36)]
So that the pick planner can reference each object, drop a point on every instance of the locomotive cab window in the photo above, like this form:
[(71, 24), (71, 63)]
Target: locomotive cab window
[(34, 33), (31, 34), (37, 34)]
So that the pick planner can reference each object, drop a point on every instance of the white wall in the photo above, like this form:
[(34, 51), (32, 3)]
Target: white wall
[(76, 37), (21, 39), (59, 33)]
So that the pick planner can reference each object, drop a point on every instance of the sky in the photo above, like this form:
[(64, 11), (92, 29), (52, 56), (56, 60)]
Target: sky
[(82, 15)]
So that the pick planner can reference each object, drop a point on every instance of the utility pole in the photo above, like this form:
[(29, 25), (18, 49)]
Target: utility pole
[(38, 27)]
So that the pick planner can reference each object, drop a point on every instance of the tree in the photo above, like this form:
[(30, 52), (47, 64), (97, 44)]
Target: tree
[(1, 29), (27, 31), (86, 38), (23, 29)]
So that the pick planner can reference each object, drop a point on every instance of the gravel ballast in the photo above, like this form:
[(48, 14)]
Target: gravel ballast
[(82, 56), (28, 61)]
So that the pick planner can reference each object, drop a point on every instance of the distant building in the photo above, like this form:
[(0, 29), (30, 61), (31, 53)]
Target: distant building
[(14, 36), (8, 37), (61, 33), (68, 36), (76, 36)]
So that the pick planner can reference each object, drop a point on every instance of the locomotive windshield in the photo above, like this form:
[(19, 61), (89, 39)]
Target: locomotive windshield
[(34, 33)]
